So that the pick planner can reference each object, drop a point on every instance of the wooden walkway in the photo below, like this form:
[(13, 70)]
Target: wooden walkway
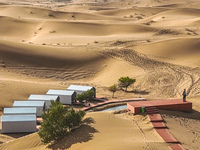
[(111, 102), (168, 104), (167, 136), (176, 147), (161, 128)]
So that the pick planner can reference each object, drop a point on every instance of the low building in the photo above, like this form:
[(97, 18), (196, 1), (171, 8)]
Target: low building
[(18, 123), (20, 111), (46, 98), (39, 105), (66, 97), (79, 89)]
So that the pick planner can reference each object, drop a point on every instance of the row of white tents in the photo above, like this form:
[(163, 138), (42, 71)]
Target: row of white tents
[(22, 117)]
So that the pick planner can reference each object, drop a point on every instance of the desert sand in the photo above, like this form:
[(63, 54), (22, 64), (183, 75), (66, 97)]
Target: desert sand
[(46, 44)]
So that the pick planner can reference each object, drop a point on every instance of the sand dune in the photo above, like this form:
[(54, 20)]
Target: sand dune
[(63, 64), (175, 17), (53, 31), (12, 27), (184, 50), (41, 13), (138, 11), (47, 45)]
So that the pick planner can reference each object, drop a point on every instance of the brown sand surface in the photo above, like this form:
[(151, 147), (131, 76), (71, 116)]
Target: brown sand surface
[(47, 45), (119, 131)]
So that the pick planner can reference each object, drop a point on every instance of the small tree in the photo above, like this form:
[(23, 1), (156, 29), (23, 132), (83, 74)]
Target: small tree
[(53, 126), (73, 118), (87, 95), (113, 89), (58, 121), (125, 82)]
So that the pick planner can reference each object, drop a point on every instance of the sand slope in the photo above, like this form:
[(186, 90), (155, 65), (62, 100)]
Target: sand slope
[(184, 51), (138, 134)]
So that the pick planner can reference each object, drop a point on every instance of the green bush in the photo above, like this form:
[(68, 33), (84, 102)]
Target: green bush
[(113, 89), (125, 82), (85, 95), (57, 122)]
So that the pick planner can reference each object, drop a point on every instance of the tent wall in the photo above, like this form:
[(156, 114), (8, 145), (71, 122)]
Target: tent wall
[(81, 91), (47, 103), (65, 99), (20, 111), (46, 98), (40, 110), (73, 97), (16, 127)]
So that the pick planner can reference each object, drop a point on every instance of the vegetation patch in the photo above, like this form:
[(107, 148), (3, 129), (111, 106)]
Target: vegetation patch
[(167, 31), (58, 121)]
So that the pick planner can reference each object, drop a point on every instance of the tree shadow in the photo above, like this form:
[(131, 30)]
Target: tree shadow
[(141, 92), (188, 115), (80, 135)]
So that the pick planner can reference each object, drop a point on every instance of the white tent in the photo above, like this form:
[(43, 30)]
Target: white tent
[(79, 89), (46, 98), (18, 123), (66, 97), (39, 105), (20, 111)]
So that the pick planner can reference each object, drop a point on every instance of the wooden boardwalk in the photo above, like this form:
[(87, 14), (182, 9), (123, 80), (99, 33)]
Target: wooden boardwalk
[(168, 104), (111, 102), (152, 111), (176, 147), (167, 136)]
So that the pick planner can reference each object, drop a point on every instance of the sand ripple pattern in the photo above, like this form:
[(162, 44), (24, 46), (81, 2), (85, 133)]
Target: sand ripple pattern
[(161, 78)]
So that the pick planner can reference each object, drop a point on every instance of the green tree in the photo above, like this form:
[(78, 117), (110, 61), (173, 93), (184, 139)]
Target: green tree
[(125, 82), (58, 121), (113, 89), (87, 95), (53, 126), (73, 118)]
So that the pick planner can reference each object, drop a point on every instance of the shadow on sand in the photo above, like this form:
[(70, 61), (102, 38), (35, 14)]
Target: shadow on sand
[(140, 92), (80, 135), (17, 135)]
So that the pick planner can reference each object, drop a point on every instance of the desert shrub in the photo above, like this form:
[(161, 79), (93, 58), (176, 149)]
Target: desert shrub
[(167, 31), (113, 89), (85, 95), (52, 31), (57, 122), (73, 118), (53, 126), (125, 82)]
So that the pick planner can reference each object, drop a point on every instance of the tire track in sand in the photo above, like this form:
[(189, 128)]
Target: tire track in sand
[(160, 78)]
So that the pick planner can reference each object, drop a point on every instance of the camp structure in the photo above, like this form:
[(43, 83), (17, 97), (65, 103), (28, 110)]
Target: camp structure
[(46, 98), (66, 97), (79, 89), (18, 123), (39, 105), (20, 111)]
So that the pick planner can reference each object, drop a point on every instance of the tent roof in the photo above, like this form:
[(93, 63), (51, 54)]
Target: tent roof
[(29, 103), (60, 92), (43, 97), (13, 118), (79, 87), (19, 110)]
